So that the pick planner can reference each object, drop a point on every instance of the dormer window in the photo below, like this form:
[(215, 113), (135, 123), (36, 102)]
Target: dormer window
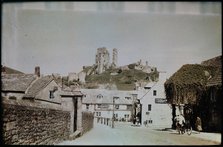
[(128, 98), (99, 106), (55, 88), (99, 96), (51, 94)]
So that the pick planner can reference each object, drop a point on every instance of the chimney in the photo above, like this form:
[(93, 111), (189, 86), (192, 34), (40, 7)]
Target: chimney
[(37, 71)]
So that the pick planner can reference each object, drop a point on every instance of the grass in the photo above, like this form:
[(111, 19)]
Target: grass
[(124, 80)]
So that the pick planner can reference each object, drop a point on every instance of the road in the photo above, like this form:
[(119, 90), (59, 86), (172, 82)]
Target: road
[(126, 134)]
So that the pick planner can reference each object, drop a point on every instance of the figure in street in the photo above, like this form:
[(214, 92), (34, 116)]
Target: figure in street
[(198, 124)]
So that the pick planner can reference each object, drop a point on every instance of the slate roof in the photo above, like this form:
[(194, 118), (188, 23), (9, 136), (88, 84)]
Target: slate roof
[(68, 92), (37, 86), (17, 82), (91, 96), (8, 70)]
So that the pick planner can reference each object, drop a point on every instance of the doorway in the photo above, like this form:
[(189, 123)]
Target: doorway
[(75, 114)]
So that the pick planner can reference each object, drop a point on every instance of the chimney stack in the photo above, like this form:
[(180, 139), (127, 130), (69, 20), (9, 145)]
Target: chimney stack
[(37, 71)]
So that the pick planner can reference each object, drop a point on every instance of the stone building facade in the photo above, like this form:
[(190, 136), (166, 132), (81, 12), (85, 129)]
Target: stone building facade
[(102, 102)]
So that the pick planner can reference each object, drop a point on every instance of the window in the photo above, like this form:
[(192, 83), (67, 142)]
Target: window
[(129, 107), (128, 98), (149, 107), (12, 97), (115, 98), (104, 106), (126, 115), (99, 96), (116, 115), (51, 94), (154, 92), (116, 106), (99, 105), (98, 113), (87, 106)]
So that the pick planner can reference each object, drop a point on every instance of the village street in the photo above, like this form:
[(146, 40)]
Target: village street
[(127, 134)]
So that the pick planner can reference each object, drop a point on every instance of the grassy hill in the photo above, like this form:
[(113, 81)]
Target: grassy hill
[(124, 80)]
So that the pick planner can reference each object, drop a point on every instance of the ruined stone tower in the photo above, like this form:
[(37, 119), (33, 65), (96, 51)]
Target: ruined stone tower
[(114, 57), (102, 60)]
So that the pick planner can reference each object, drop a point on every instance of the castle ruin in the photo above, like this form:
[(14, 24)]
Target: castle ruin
[(114, 58), (102, 59)]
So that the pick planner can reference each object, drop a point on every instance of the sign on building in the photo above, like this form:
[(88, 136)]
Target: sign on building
[(160, 100)]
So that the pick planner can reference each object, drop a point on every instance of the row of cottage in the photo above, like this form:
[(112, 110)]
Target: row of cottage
[(38, 110)]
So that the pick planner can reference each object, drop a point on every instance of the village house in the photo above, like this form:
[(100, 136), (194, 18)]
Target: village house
[(14, 86), (155, 111), (102, 102), (31, 86), (197, 88), (46, 104)]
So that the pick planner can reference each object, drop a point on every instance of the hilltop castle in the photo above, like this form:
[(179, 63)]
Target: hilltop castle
[(102, 59)]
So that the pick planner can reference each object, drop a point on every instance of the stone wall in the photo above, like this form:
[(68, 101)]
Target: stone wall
[(87, 121), (34, 125)]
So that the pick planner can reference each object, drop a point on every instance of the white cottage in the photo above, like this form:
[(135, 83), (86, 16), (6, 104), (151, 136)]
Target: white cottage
[(100, 101), (155, 112)]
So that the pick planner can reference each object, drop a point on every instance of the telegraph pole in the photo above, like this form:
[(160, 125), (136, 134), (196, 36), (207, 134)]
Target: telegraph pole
[(113, 113), (113, 110)]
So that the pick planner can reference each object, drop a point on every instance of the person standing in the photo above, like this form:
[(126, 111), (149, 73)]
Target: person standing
[(181, 120), (198, 124)]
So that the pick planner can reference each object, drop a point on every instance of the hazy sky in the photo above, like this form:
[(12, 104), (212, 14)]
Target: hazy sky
[(63, 37)]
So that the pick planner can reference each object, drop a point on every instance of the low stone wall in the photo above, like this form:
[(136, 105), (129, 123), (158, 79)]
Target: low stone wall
[(87, 121), (34, 125)]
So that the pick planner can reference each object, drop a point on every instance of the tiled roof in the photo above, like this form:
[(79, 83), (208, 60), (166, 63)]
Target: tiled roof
[(17, 82), (91, 96), (38, 85), (216, 79)]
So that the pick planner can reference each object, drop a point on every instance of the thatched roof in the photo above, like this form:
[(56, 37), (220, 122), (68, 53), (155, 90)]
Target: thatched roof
[(216, 61), (188, 84), (216, 80)]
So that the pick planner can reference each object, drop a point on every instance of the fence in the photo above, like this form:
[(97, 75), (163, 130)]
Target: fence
[(104, 121)]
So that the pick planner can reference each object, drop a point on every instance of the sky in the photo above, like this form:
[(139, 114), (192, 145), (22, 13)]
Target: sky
[(62, 37)]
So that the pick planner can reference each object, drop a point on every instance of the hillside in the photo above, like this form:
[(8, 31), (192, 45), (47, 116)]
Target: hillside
[(123, 79)]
